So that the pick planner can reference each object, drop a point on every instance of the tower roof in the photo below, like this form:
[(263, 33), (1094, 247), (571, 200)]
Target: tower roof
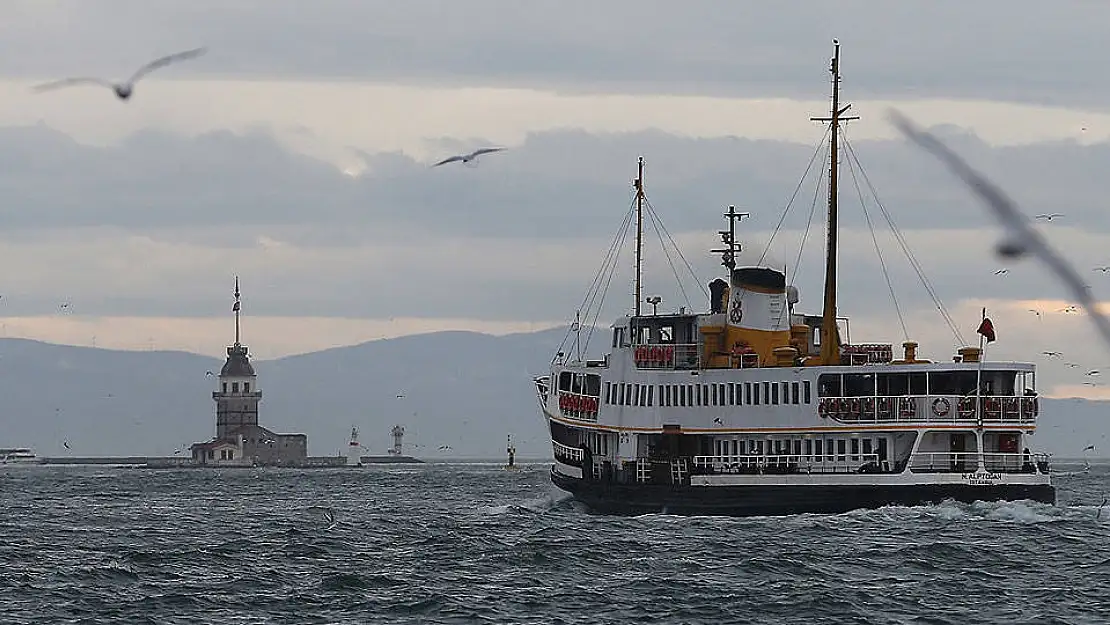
[(238, 365)]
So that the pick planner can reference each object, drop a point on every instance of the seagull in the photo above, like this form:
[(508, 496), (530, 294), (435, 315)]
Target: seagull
[(123, 89), (1022, 238), (1048, 216), (1035, 312), (1071, 365), (718, 421), (1001, 271), (1053, 354), (1103, 269), (1069, 309), (444, 447), (1090, 383), (65, 443), (208, 374), (1093, 372), (1089, 448), (466, 158)]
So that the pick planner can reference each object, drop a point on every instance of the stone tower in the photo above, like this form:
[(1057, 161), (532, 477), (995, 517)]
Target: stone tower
[(238, 394)]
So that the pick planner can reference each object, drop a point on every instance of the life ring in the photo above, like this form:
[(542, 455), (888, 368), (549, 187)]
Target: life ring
[(941, 406)]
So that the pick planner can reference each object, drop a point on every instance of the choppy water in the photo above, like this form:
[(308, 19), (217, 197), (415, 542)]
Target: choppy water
[(474, 543)]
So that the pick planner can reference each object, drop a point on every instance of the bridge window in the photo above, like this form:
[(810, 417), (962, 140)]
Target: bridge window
[(748, 393), (732, 393), (952, 383), (651, 390), (774, 393), (859, 384), (828, 385), (805, 391)]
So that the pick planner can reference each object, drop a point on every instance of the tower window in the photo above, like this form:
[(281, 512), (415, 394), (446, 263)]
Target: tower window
[(247, 388), (225, 387), (234, 387)]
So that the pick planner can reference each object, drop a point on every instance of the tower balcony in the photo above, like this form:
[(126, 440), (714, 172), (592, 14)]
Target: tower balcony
[(230, 395)]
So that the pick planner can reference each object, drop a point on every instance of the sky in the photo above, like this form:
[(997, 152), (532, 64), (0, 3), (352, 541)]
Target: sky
[(295, 154)]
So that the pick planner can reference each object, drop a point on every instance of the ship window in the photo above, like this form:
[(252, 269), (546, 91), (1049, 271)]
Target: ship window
[(651, 390), (859, 384), (755, 393), (731, 394), (786, 392), (952, 383), (841, 446), (748, 393), (593, 384), (805, 392), (565, 380), (828, 385), (809, 449), (225, 387), (867, 450), (774, 393), (855, 450), (794, 393), (697, 394), (234, 387), (246, 387), (882, 449), (641, 392), (705, 394), (608, 392), (817, 444), (797, 447), (767, 393)]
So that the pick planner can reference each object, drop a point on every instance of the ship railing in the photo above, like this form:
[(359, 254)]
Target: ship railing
[(566, 454), (791, 463), (667, 356), (578, 406), (930, 408), (968, 461)]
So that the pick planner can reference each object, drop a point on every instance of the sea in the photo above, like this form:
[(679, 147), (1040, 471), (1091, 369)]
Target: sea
[(475, 543)]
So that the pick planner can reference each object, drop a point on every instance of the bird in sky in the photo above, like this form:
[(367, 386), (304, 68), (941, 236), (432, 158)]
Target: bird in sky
[(467, 158), (1048, 216), (124, 89), (1093, 372), (1052, 354), (1001, 271), (209, 374), (718, 421), (1072, 308), (1035, 312), (1021, 238), (1102, 268), (1071, 365), (444, 447)]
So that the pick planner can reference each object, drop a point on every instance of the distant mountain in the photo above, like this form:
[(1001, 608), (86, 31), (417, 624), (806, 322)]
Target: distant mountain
[(459, 389)]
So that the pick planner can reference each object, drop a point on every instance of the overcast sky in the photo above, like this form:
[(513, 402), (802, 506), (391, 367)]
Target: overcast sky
[(296, 154)]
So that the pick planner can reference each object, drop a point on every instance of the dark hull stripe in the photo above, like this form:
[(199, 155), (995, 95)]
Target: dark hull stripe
[(779, 500)]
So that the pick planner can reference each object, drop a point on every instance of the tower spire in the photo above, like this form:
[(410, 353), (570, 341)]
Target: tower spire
[(830, 341), (235, 309)]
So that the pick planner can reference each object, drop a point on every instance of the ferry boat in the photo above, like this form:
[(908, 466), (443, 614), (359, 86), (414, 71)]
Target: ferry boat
[(753, 408), (18, 455)]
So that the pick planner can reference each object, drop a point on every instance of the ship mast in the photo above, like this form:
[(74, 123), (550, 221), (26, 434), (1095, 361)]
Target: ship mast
[(830, 341), (639, 182)]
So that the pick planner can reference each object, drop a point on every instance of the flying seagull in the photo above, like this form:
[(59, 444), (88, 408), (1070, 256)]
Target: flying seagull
[(1021, 238), (1103, 269), (123, 89), (1048, 216), (718, 421), (1035, 312), (1093, 372), (1053, 354), (1070, 309), (1071, 365), (1000, 272), (208, 374), (466, 158)]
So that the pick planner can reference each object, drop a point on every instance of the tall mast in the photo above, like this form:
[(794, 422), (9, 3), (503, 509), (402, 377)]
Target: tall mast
[(830, 342), (235, 309), (639, 230)]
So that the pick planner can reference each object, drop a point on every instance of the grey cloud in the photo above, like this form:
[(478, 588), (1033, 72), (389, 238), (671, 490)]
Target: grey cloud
[(518, 237), (999, 49)]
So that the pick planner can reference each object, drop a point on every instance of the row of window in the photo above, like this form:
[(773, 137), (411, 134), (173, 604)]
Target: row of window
[(235, 387), (717, 394), (922, 383), (814, 450)]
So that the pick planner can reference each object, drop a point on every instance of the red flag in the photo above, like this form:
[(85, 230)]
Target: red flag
[(986, 329)]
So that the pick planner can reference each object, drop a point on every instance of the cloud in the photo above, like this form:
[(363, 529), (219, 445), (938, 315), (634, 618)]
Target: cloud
[(997, 50)]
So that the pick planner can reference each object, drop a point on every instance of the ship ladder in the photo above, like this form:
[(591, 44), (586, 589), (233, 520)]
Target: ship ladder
[(678, 471)]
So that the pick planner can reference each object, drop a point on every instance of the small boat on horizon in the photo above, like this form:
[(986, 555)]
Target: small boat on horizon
[(18, 456)]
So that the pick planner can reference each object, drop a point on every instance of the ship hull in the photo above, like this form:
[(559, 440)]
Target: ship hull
[(772, 500)]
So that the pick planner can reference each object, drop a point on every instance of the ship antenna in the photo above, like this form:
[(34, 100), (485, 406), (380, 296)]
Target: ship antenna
[(728, 237), (639, 182), (830, 342)]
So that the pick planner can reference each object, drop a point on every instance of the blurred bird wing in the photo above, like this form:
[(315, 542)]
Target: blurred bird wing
[(1008, 214), (448, 160), (485, 151), (70, 82), (166, 60)]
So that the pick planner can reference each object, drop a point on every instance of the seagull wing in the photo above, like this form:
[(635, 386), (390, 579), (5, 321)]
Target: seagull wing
[(166, 60), (485, 151), (71, 82), (448, 160), (1011, 218)]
